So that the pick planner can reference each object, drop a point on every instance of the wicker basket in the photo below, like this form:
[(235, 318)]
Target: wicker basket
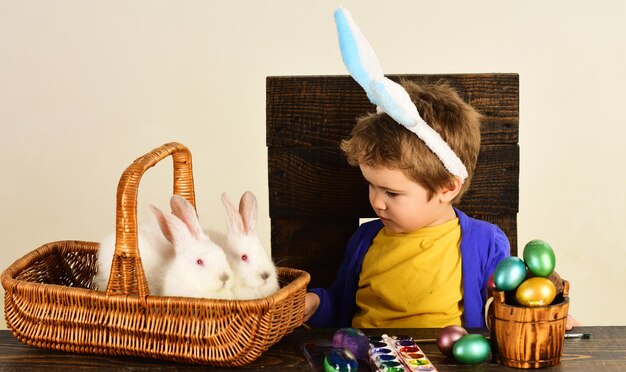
[(50, 300)]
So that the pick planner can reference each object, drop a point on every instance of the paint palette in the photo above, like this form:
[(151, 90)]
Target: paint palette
[(397, 354), (386, 354)]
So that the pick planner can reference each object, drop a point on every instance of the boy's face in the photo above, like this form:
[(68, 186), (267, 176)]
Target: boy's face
[(401, 203)]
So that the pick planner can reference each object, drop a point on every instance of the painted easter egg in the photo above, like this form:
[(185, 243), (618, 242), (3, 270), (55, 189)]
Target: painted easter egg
[(490, 282), (535, 291), (556, 279), (353, 340), (490, 286), (471, 349), (539, 257), (340, 360), (448, 336), (509, 273)]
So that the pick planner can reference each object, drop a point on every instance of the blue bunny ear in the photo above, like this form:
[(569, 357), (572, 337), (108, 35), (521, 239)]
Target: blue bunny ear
[(356, 52), (394, 100), (363, 65), (390, 97)]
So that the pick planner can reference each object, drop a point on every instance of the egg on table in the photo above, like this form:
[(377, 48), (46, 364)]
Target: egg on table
[(448, 336), (353, 340), (471, 349), (340, 360)]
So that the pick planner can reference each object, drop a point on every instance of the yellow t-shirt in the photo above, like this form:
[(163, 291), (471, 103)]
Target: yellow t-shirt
[(412, 280)]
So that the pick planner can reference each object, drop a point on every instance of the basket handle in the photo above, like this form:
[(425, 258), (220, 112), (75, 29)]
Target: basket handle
[(127, 274)]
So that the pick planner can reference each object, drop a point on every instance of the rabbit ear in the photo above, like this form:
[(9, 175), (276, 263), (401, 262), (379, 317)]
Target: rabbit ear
[(173, 228), (183, 209), (162, 220), (358, 56), (389, 97), (235, 223), (363, 65), (247, 210)]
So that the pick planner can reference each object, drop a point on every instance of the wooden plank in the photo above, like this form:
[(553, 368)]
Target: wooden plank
[(494, 188), (315, 183), (315, 245), (319, 111), (320, 182)]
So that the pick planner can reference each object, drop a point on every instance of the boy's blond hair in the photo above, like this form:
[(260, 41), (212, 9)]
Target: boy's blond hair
[(378, 141)]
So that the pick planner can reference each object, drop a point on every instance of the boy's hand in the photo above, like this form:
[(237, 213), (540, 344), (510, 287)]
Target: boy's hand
[(571, 322), (311, 303)]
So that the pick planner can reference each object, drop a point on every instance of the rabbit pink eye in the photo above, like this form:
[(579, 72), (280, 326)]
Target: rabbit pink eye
[(244, 257), (200, 262)]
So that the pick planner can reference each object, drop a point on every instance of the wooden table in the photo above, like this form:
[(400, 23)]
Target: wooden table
[(604, 351)]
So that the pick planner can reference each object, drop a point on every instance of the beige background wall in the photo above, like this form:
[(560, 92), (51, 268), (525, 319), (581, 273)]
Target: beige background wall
[(88, 86)]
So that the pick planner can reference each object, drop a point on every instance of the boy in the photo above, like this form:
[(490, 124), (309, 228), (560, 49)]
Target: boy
[(423, 263)]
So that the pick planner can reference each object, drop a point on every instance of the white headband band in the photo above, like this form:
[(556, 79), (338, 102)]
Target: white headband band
[(389, 97)]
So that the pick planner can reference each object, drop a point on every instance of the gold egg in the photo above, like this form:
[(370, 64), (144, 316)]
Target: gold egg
[(536, 291)]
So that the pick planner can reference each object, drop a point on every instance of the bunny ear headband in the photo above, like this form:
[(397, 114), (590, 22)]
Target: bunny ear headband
[(389, 97)]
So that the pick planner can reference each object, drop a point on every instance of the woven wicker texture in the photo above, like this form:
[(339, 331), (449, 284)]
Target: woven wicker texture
[(50, 301)]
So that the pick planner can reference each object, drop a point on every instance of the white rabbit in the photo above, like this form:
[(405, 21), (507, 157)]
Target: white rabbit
[(255, 273), (178, 260), (199, 267)]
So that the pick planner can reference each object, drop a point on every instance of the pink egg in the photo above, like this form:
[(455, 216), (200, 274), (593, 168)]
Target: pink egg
[(448, 336)]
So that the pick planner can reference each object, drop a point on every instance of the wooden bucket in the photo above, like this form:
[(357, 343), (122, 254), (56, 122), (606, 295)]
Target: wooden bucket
[(528, 337)]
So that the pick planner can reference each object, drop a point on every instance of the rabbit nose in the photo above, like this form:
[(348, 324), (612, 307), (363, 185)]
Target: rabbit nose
[(265, 275), (224, 277)]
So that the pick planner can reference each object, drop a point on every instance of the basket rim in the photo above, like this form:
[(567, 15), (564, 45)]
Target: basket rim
[(299, 278)]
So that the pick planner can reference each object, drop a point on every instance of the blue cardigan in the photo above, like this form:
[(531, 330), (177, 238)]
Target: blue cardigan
[(483, 245)]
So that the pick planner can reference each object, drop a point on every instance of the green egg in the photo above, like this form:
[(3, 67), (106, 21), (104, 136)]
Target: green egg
[(509, 273), (539, 258), (471, 349)]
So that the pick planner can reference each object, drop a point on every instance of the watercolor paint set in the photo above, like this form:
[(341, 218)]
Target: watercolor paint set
[(397, 354), (386, 354)]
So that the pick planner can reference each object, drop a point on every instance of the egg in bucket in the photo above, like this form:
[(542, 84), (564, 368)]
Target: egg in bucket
[(528, 321), (528, 337)]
